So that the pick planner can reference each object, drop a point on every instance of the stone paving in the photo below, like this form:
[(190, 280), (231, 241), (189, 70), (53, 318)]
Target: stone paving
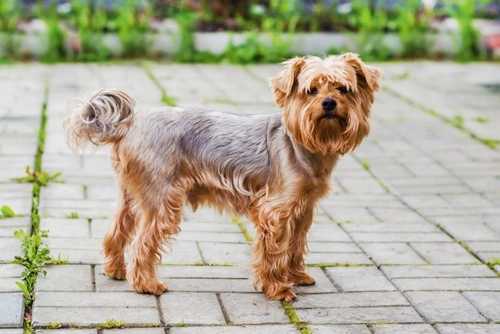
[(406, 242)]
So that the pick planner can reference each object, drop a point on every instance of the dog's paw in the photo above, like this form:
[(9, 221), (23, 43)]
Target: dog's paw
[(115, 272), (155, 288), (278, 291), (304, 280), (286, 295)]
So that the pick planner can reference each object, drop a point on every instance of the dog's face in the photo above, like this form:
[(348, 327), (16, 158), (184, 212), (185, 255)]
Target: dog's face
[(326, 102)]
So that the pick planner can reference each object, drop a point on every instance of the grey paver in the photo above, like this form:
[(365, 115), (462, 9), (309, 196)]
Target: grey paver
[(468, 328), (407, 329), (444, 307), (191, 308), (339, 329), (452, 271), (252, 309), (338, 258), (42, 316), (93, 299), (448, 284), (360, 279), (360, 315), (488, 303), (57, 278), (470, 231), (399, 237), (135, 331), (11, 310), (226, 253), (265, 329), (443, 253), (353, 299), (66, 228), (392, 253)]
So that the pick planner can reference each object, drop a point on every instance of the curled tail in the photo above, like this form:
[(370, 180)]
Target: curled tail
[(100, 118)]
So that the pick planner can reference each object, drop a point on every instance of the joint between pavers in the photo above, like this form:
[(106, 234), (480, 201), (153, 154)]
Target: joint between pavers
[(294, 318), (203, 261), (92, 277), (243, 229), (332, 280), (223, 309), (160, 312), (418, 253)]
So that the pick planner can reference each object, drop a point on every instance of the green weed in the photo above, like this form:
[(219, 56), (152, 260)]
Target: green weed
[(59, 260), (463, 11), (40, 177), (34, 258), (7, 212), (73, 215), (112, 323), (365, 164), (481, 119)]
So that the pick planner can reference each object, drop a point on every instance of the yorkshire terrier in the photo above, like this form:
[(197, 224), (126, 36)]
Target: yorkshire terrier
[(272, 168)]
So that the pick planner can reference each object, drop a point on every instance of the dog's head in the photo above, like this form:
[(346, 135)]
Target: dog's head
[(326, 102)]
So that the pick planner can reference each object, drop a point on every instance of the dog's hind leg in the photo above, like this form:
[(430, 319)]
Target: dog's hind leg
[(157, 223), (118, 236)]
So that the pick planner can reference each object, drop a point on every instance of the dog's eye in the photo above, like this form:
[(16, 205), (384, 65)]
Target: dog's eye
[(312, 91), (343, 90)]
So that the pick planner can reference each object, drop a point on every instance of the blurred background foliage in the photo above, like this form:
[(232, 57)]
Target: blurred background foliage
[(76, 30)]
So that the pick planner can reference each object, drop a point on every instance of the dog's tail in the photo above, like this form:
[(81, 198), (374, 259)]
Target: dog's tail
[(103, 117)]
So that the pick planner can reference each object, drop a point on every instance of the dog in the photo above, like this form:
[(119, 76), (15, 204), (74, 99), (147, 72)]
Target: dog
[(272, 168)]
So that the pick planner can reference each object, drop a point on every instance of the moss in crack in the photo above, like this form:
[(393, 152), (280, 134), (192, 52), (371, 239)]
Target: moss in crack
[(165, 98), (243, 229), (294, 318)]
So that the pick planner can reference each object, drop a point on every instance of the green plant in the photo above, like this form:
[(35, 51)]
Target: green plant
[(54, 325), (91, 22), (463, 11), (186, 20), (365, 164), (370, 24), (10, 14), (481, 119), (40, 177), (60, 260), (56, 37), (72, 215), (112, 323), (458, 121), (7, 212), (34, 258), (413, 28), (132, 27)]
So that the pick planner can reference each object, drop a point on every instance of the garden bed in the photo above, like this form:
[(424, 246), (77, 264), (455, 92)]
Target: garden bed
[(88, 33)]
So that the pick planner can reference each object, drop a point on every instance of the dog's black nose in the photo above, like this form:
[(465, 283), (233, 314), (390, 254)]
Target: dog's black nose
[(329, 104)]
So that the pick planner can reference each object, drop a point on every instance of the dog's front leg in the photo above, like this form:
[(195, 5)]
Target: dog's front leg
[(297, 272), (271, 260)]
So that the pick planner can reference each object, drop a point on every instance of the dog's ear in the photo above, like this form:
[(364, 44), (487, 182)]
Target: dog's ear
[(282, 84), (368, 76)]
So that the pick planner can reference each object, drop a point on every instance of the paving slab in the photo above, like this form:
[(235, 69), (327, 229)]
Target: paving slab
[(11, 310), (252, 309), (444, 307)]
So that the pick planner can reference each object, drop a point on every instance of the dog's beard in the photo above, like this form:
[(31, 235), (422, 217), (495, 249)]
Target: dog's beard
[(326, 133)]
